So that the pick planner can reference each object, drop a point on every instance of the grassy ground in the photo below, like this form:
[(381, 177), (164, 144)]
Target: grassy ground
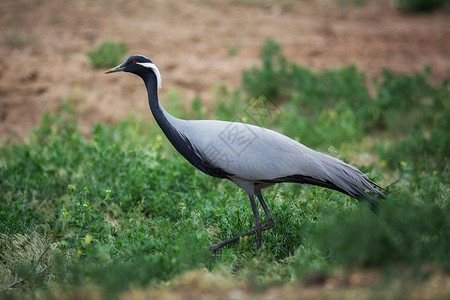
[(122, 214)]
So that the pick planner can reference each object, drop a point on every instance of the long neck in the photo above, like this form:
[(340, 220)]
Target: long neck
[(162, 117), (171, 126), (173, 129)]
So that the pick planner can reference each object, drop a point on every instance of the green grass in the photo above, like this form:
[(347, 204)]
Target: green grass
[(419, 5), (122, 210), (108, 55), (15, 39)]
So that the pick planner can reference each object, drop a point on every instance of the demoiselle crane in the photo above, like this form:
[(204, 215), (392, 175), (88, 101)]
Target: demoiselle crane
[(252, 157)]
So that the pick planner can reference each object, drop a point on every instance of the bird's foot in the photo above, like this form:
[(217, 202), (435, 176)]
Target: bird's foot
[(269, 224), (215, 247)]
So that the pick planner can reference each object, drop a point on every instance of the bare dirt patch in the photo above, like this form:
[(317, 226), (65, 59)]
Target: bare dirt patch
[(43, 45), (362, 284)]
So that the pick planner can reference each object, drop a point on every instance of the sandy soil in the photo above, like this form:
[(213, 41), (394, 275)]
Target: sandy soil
[(43, 45)]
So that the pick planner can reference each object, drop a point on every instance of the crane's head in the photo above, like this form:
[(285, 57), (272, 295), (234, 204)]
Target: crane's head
[(139, 65)]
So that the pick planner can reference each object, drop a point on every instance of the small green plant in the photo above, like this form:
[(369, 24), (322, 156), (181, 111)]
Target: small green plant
[(273, 77), (418, 5), (16, 39), (351, 2), (233, 51), (108, 55)]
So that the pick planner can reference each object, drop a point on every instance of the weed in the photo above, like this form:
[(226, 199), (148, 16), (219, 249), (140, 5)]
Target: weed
[(418, 5), (352, 2), (15, 39), (108, 55), (233, 51)]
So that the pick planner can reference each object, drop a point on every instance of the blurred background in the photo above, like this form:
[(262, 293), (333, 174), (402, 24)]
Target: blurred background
[(196, 45)]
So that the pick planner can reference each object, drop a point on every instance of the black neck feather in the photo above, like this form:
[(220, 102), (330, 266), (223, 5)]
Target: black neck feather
[(174, 135)]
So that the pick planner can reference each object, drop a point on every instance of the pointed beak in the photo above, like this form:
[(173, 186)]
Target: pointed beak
[(119, 68)]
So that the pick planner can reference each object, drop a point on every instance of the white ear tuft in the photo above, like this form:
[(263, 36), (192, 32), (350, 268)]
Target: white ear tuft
[(155, 70)]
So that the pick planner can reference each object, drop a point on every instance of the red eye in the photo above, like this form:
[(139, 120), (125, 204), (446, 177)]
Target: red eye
[(133, 62)]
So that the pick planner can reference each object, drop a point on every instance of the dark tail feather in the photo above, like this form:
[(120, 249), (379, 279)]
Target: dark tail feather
[(356, 192), (378, 191)]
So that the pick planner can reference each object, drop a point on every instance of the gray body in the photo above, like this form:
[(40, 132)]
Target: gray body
[(255, 156)]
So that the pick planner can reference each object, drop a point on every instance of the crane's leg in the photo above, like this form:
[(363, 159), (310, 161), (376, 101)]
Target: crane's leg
[(269, 224), (257, 221)]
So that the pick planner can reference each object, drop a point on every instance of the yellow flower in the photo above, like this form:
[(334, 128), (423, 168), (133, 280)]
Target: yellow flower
[(65, 212), (79, 252), (85, 205), (87, 239), (108, 191), (332, 114)]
